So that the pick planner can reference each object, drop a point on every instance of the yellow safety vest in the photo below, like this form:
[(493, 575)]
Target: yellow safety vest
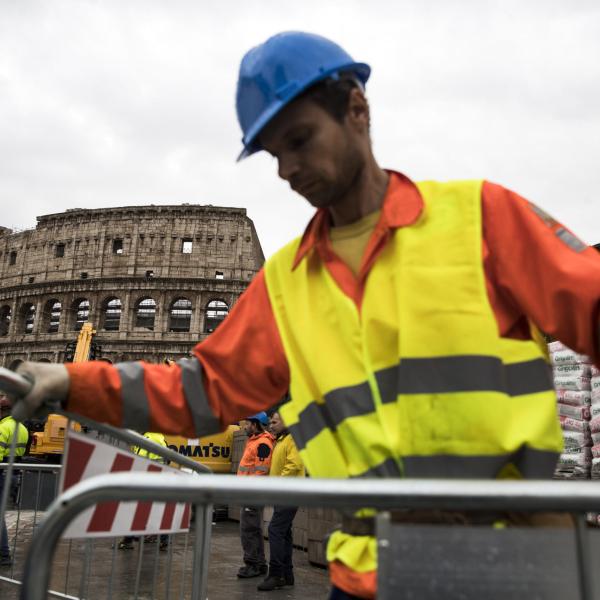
[(418, 383), (7, 427), (157, 438)]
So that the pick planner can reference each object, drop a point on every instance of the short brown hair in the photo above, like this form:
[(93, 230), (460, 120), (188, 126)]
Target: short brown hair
[(333, 95)]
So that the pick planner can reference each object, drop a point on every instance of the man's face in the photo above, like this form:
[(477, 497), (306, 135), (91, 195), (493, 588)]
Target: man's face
[(276, 424), (248, 426), (318, 156)]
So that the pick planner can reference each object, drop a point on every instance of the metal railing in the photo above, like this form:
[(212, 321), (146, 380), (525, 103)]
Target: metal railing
[(18, 386), (202, 491), (72, 577)]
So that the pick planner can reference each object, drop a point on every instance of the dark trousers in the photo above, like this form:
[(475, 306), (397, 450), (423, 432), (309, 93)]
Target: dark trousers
[(337, 594), (253, 545), (4, 548), (281, 544)]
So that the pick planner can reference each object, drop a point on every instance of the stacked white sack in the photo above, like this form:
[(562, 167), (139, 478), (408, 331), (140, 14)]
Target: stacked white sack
[(595, 421), (573, 383)]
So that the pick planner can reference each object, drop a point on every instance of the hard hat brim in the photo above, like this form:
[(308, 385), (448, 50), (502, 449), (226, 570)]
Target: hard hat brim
[(361, 70)]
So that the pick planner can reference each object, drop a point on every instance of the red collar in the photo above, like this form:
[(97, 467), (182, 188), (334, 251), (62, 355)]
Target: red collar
[(402, 206)]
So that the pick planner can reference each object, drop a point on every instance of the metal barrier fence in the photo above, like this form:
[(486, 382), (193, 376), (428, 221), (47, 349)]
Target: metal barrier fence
[(155, 571), (202, 491)]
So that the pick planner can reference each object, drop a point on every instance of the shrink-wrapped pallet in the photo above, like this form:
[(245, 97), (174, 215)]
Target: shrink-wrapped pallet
[(575, 404)]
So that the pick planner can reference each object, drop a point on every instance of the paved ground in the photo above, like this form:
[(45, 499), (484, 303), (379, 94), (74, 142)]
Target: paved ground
[(159, 574)]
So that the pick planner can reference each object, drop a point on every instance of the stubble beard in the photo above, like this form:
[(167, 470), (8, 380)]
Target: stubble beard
[(349, 168)]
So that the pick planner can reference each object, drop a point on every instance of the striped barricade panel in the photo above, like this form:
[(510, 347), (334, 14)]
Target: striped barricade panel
[(87, 457)]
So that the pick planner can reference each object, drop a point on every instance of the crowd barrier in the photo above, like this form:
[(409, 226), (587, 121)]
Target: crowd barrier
[(149, 570), (480, 580)]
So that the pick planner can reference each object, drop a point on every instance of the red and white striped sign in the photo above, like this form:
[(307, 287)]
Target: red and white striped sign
[(87, 457)]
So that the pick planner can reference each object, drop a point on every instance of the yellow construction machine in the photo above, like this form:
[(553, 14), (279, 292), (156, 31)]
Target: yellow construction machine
[(49, 443)]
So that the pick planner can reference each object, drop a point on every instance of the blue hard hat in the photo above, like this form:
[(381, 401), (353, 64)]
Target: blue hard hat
[(277, 71), (261, 417)]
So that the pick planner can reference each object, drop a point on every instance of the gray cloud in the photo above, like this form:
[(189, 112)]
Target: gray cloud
[(113, 103)]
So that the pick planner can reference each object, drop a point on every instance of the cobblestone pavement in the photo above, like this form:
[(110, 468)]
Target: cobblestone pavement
[(167, 573)]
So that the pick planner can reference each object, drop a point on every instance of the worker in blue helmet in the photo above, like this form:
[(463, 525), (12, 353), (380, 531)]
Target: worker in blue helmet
[(255, 462), (261, 417), (401, 320), (278, 71)]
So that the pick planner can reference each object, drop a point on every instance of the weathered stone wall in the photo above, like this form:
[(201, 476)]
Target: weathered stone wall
[(114, 259)]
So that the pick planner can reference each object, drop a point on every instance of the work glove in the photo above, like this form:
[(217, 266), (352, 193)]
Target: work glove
[(48, 393)]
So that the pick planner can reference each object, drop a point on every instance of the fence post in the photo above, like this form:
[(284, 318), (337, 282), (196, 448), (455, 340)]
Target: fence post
[(201, 551)]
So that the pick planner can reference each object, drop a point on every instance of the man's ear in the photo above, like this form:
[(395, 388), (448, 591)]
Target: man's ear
[(358, 113)]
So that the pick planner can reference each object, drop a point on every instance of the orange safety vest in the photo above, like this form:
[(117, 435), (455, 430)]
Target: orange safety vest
[(257, 455)]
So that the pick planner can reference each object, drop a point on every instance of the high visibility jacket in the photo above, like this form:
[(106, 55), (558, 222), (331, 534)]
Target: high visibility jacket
[(157, 438), (417, 381), (286, 458), (257, 456), (7, 427)]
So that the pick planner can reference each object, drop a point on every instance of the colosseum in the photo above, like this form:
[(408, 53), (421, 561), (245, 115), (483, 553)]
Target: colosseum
[(152, 280)]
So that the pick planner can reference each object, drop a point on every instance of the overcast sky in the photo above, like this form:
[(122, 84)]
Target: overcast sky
[(132, 102)]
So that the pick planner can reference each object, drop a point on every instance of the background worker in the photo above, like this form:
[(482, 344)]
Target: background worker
[(255, 462), (7, 429), (417, 360), (286, 463), (127, 542)]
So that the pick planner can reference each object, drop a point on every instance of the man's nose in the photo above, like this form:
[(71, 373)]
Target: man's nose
[(287, 168)]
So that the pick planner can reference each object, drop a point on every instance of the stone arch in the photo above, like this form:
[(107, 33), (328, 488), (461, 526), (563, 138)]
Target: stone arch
[(180, 315), (51, 315), (26, 318), (144, 313), (15, 363), (80, 312), (216, 310), (5, 318), (110, 318)]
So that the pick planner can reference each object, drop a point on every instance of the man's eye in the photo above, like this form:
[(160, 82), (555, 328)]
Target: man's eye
[(298, 142)]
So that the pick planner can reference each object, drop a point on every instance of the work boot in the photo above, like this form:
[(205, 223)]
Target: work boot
[(164, 545), (248, 571), (6, 560), (272, 582), (289, 578), (125, 545), (150, 539)]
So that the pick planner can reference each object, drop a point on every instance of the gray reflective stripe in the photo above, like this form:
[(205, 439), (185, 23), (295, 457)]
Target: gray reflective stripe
[(136, 412), (262, 469), (468, 373), (340, 404), (7, 445), (204, 419), (531, 463), (447, 374), (529, 377), (351, 401), (244, 469), (388, 468)]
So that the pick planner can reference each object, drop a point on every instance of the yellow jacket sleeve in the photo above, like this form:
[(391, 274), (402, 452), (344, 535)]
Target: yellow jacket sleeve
[(293, 465)]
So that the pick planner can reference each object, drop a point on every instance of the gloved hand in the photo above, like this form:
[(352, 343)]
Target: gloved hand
[(50, 389)]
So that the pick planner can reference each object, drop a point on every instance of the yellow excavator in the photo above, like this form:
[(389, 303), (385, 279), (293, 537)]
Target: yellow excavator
[(50, 442)]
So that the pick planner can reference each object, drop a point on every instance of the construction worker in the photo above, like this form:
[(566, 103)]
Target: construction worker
[(7, 430), (157, 438), (127, 542), (400, 319), (255, 462), (286, 463)]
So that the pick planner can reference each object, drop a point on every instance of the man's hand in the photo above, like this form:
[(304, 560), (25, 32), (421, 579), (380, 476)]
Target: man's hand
[(50, 386)]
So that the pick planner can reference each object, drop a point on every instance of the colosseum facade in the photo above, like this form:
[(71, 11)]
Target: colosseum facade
[(153, 280)]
